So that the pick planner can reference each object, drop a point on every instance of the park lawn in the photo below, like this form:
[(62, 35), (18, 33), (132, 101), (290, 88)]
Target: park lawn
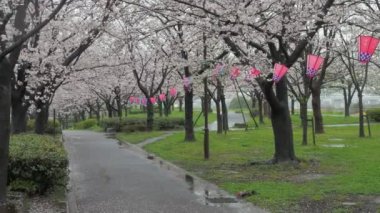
[(138, 137), (324, 179), (328, 119)]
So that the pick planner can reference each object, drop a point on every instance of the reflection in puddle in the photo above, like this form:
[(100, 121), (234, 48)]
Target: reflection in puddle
[(209, 195)]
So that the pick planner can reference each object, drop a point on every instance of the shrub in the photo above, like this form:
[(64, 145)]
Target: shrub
[(134, 128), (168, 123), (113, 123), (139, 124), (27, 186), (86, 124), (49, 128), (30, 125), (36, 163), (234, 104), (374, 114)]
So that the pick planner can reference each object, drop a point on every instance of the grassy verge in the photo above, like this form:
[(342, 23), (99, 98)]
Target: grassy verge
[(325, 179), (328, 119), (137, 137)]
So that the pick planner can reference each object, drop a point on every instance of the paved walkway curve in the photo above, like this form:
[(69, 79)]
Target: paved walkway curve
[(107, 178)]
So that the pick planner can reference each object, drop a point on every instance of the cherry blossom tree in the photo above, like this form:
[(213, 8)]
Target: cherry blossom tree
[(14, 31), (359, 70), (280, 32)]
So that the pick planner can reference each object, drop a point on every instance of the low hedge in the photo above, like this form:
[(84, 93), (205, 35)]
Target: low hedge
[(139, 124), (374, 114), (49, 129), (37, 163), (86, 124)]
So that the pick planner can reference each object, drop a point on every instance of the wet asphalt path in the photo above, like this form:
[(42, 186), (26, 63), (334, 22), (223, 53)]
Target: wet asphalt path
[(106, 178)]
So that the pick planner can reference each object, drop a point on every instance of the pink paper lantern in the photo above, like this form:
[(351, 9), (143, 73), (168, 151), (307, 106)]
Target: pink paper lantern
[(137, 100), (153, 100), (235, 72), (173, 92), (162, 97), (254, 72), (279, 71), (314, 63), (367, 47), (131, 100), (143, 101)]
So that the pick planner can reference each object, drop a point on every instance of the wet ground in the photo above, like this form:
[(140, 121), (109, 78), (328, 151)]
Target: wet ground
[(107, 177)]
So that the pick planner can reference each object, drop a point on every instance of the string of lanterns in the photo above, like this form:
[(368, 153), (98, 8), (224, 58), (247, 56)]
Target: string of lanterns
[(367, 47)]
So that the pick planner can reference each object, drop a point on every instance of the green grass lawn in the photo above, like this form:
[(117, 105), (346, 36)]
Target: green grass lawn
[(325, 178), (328, 119), (138, 137)]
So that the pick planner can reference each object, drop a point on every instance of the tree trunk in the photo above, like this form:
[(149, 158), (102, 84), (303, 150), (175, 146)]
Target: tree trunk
[(317, 112), (180, 100), (98, 107), (348, 94), (303, 114), (83, 115), (219, 118), (224, 110), (149, 116), (119, 108), (281, 120), (189, 128), (41, 119), (203, 104), (109, 110), (292, 106), (167, 109), (19, 117), (125, 111), (361, 115), (209, 110), (90, 112), (266, 109), (261, 112), (5, 110), (253, 101), (160, 108)]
